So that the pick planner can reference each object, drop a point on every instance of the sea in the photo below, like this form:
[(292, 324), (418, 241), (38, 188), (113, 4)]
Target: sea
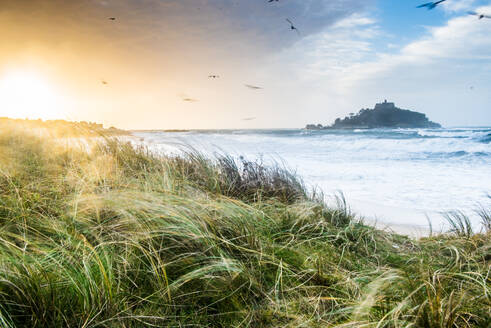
[(401, 179)]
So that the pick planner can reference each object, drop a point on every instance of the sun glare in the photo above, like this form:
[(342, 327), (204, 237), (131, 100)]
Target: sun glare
[(28, 95)]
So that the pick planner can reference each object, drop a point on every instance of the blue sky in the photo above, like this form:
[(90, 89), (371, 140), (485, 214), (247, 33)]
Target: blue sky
[(406, 23), (402, 23), (348, 55)]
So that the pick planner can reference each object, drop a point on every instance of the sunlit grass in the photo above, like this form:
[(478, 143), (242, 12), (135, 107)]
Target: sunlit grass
[(106, 234)]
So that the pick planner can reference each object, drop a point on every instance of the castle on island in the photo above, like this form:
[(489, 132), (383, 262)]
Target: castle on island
[(385, 104), (384, 115)]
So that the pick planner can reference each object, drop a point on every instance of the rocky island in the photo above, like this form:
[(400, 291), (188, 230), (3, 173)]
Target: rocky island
[(384, 115)]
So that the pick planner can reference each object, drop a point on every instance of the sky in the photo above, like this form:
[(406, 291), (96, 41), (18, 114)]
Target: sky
[(149, 68)]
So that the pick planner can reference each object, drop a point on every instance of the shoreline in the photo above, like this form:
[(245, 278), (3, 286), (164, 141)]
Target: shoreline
[(393, 219)]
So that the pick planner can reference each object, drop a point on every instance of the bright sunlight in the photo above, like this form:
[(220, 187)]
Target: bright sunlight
[(28, 95)]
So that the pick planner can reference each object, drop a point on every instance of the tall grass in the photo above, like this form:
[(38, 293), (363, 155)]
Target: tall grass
[(485, 214), (112, 235), (460, 224)]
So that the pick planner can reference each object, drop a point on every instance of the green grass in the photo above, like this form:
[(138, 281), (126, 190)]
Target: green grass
[(111, 235)]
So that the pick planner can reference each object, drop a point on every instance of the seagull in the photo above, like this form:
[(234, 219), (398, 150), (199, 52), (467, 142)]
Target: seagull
[(296, 29), (250, 118), (252, 87), (189, 99), (213, 76), (273, 0), (112, 18), (480, 16), (430, 5)]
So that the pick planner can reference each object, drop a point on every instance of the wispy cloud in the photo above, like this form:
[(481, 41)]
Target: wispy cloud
[(331, 52), (462, 40), (458, 5)]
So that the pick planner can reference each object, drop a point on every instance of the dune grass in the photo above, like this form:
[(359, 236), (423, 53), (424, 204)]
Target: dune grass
[(111, 235)]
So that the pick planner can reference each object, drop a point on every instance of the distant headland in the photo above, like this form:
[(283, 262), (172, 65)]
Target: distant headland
[(384, 115), (62, 128)]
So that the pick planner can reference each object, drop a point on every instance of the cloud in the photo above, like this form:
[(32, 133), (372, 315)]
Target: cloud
[(462, 40), (182, 31), (350, 48), (330, 53), (458, 5), (200, 19)]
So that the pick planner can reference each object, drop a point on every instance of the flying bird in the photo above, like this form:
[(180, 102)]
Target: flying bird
[(294, 28), (189, 99), (112, 18), (430, 5), (480, 16), (213, 76), (104, 82), (249, 118), (273, 0), (252, 87)]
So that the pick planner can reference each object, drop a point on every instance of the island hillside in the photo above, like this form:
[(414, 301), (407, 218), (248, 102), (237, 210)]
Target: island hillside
[(384, 115)]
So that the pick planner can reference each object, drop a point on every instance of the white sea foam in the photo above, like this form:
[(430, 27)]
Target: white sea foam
[(416, 171)]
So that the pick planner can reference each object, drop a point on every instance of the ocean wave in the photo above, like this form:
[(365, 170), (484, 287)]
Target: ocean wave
[(461, 153), (485, 139), (396, 144), (456, 133)]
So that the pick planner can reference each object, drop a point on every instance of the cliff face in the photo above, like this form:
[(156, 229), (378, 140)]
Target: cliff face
[(384, 115)]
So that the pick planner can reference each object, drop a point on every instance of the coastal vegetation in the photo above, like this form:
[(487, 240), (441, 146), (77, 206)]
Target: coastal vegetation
[(108, 234), (60, 128)]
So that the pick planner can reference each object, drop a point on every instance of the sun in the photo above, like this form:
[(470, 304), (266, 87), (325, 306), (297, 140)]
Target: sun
[(28, 95)]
